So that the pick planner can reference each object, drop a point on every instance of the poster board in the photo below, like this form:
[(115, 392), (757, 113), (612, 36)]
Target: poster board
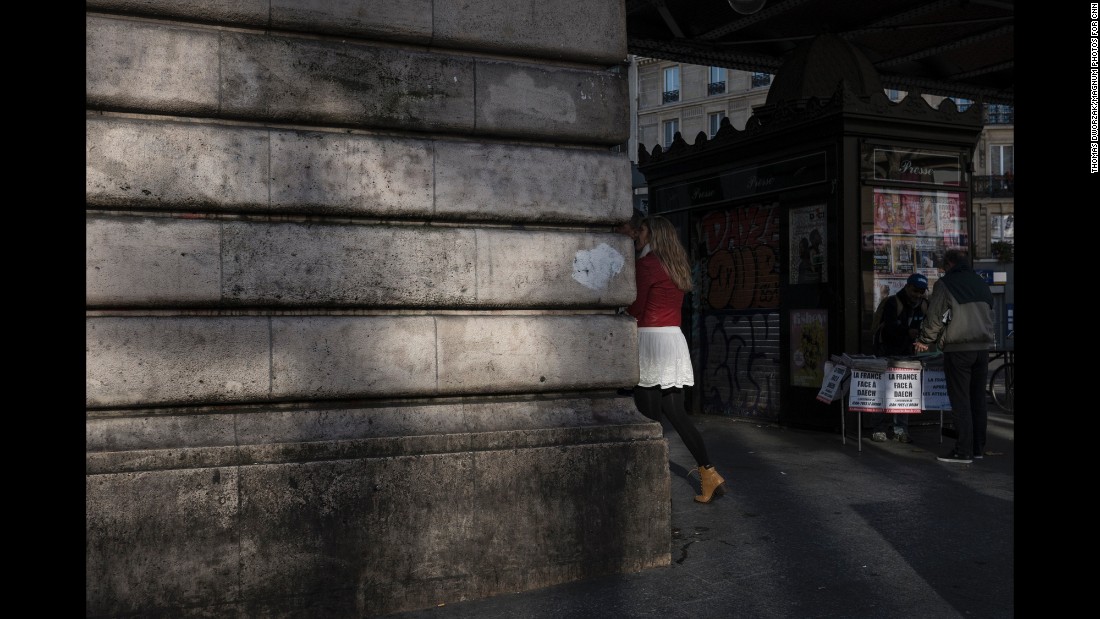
[(835, 385), (865, 392), (934, 391), (902, 390)]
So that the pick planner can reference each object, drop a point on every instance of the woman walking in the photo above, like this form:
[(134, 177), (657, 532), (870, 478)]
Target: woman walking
[(664, 364)]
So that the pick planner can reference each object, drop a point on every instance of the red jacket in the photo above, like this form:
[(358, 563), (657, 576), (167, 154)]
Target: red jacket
[(659, 300)]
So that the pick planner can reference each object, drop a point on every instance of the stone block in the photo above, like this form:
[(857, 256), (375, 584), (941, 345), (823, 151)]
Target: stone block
[(326, 357), (579, 30), (140, 66), (533, 101), (150, 360), (151, 262)]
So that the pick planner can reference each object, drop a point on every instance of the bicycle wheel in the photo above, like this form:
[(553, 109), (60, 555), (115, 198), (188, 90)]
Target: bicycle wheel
[(1001, 386)]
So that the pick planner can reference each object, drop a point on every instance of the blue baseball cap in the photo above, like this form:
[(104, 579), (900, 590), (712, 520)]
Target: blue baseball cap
[(918, 281)]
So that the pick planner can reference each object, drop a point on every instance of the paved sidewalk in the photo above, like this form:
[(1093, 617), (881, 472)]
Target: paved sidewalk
[(811, 527)]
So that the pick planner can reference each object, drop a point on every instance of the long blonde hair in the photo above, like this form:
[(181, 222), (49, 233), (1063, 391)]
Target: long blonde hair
[(664, 242)]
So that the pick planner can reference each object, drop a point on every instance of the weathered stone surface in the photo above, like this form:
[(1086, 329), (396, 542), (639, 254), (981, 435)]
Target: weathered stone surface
[(194, 360), (243, 12), (579, 30), (335, 83), (573, 105), (136, 65), (408, 20), (163, 165), (144, 262), (349, 281), (157, 68), (159, 360), (164, 540), (172, 165), (363, 266), (338, 173), (520, 353), (483, 422), (151, 261), (569, 29), (347, 537), (523, 183), (325, 357)]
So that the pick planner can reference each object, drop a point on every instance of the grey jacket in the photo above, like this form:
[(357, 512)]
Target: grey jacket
[(960, 313)]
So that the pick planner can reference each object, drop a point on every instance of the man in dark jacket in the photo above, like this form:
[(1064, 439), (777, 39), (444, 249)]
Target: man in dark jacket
[(960, 322), (901, 320)]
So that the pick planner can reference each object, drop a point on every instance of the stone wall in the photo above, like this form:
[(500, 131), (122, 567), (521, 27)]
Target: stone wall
[(351, 336)]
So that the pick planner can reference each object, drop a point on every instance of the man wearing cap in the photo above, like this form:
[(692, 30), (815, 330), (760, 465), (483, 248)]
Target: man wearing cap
[(960, 323), (901, 322)]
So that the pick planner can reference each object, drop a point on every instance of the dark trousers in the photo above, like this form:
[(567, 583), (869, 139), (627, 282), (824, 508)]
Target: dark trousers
[(652, 401), (967, 373)]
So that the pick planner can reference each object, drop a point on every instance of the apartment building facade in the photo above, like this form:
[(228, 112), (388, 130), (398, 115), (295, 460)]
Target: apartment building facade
[(669, 97)]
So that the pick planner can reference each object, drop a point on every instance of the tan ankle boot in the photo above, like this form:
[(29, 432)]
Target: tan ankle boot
[(711, 482)]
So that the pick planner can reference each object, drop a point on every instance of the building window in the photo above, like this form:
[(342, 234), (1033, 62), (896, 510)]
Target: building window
[(996, 114), (962, 104), (760, 80), (714, 122), (895, 95), (1002, 229), (717, 82), (672, 85), (1001, 159), (671, 128)]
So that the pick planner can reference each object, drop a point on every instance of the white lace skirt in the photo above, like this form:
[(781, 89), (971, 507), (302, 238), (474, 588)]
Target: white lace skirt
[(663, 358)]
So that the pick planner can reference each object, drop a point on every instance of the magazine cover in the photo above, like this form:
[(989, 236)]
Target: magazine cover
[(903, 256), (881, 260), (808, 347), (807, 242)]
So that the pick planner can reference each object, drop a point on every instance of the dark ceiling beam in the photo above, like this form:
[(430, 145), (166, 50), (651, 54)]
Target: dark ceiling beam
[(932, 51), (1004, 6), (744, 21), (993, 68), (984, 94), (907, 16), (681, 51), (670, 21)]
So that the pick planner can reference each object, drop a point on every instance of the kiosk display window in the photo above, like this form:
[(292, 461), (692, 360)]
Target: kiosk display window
[(911, 231), (914, 208)]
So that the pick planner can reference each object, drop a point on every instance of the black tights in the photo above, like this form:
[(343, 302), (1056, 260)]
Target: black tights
[(652, 401)]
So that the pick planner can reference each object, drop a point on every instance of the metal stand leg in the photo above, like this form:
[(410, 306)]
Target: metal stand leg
[(843, 415)]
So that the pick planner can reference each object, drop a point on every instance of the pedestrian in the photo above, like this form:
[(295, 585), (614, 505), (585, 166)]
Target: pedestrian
[(663, 275), (902, 316), (960, 323)]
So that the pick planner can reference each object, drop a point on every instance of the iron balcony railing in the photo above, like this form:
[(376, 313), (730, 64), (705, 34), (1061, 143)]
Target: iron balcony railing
[(993, 186), (716, 88), (671, 96), (761, 79)]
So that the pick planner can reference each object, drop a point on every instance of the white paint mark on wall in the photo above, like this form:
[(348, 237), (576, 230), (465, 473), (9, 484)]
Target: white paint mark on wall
[(595, 268), (520, 94)]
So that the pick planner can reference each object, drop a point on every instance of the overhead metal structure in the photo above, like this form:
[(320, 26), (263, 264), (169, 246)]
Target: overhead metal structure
[(952, 48)]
